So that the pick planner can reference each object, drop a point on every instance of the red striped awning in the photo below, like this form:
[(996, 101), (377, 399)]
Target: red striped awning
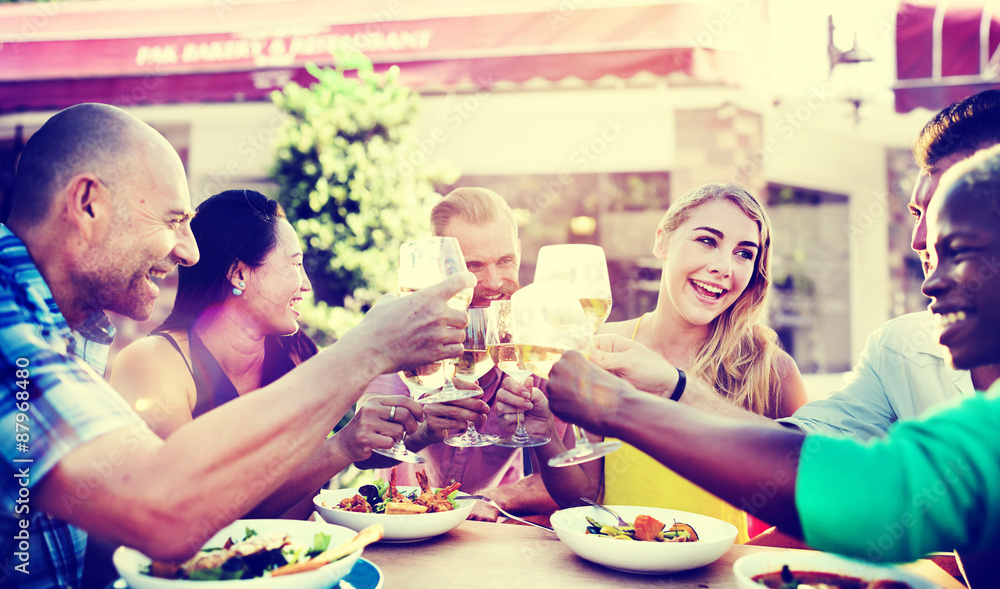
[(56, 54), (945, 51)]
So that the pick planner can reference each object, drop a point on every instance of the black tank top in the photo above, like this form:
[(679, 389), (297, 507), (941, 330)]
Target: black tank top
[(213, 388)]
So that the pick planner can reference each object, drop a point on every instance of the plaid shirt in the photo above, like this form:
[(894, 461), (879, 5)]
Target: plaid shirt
[(92, 341), (52, 403)]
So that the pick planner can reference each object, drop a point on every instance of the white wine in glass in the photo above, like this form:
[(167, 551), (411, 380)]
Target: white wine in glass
[(499, 338), (597, 309), (422, 263), (586, 269), (474, 363), (538, 359), (547, 321), (424, 379)]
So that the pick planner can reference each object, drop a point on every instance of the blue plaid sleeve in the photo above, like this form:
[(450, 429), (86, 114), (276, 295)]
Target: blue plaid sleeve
[(52, 403)]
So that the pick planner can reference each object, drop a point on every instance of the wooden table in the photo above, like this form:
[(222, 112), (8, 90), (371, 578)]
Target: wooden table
[(479, 555)]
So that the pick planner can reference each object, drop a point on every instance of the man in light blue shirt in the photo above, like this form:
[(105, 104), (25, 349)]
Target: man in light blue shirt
[(902, 371)]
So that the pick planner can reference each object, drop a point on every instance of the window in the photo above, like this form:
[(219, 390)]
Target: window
[(810, 276)]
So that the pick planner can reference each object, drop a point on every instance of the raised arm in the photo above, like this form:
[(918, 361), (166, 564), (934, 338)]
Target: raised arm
[(929, 486), (153, 378), (649, 372), (733, 459)]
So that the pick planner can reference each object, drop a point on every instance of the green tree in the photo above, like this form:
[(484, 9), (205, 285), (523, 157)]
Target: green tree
[(354, 184)]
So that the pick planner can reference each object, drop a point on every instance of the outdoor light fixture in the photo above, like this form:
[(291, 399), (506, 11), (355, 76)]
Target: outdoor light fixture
[(853, 56), (583, 226)]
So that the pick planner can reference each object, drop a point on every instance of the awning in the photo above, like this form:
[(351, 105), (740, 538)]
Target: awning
[(54, 55), (945, 51)]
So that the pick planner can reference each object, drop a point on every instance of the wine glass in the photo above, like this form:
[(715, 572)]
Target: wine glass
[(586, 269), (422, 263), (499, 342), (425, 262), (547, 320), (474, 363)]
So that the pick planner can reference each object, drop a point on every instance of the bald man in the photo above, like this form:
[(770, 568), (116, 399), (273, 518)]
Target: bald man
[(99, 212)]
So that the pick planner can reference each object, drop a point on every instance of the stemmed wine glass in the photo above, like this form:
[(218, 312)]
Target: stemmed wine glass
[(425, 262), (547, 320), (586, 269), (474, 363), (500, 343)]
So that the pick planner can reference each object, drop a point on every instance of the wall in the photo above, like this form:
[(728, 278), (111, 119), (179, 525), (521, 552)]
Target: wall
[(612, 127), (550, 131), (813, 156)]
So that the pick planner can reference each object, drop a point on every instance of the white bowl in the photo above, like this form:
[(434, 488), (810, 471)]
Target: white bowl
[(131, 562), (715, 537), (407, 527), (749, 566)]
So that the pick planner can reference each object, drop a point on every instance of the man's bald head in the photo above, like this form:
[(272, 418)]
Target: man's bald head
[(94, 138)]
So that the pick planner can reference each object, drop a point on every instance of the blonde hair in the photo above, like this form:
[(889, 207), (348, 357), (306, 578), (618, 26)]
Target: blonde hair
[(476, 206), (738, 357)]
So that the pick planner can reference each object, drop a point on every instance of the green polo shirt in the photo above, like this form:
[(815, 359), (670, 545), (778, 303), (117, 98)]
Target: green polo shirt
[(932, 485)]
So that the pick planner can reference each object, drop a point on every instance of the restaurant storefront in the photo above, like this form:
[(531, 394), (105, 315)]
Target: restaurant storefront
[(589, 116)]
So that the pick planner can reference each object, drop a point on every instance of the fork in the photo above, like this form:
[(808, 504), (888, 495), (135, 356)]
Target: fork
[(486, 499), (621, 522)]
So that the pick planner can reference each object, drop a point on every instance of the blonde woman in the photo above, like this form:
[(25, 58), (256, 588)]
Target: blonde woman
[(715, 244)]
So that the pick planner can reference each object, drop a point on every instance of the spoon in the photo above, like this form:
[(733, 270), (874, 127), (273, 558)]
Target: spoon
[(621, 522)]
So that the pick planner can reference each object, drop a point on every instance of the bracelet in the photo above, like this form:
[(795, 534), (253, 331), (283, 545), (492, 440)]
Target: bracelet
[(679, 389)]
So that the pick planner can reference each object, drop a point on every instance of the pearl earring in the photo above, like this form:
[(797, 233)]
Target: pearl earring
[(239, 291)]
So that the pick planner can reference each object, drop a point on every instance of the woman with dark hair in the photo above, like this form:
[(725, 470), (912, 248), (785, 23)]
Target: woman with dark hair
[(233, 330)]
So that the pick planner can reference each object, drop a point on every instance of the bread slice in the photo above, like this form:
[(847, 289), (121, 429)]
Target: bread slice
[(372, 533)]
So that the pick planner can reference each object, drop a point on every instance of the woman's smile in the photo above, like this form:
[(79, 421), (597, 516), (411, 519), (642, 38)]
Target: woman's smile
[(708, 290)]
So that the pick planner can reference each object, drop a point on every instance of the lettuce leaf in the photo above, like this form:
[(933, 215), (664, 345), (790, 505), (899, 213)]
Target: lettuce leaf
[(216, 574), (320, 543)]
